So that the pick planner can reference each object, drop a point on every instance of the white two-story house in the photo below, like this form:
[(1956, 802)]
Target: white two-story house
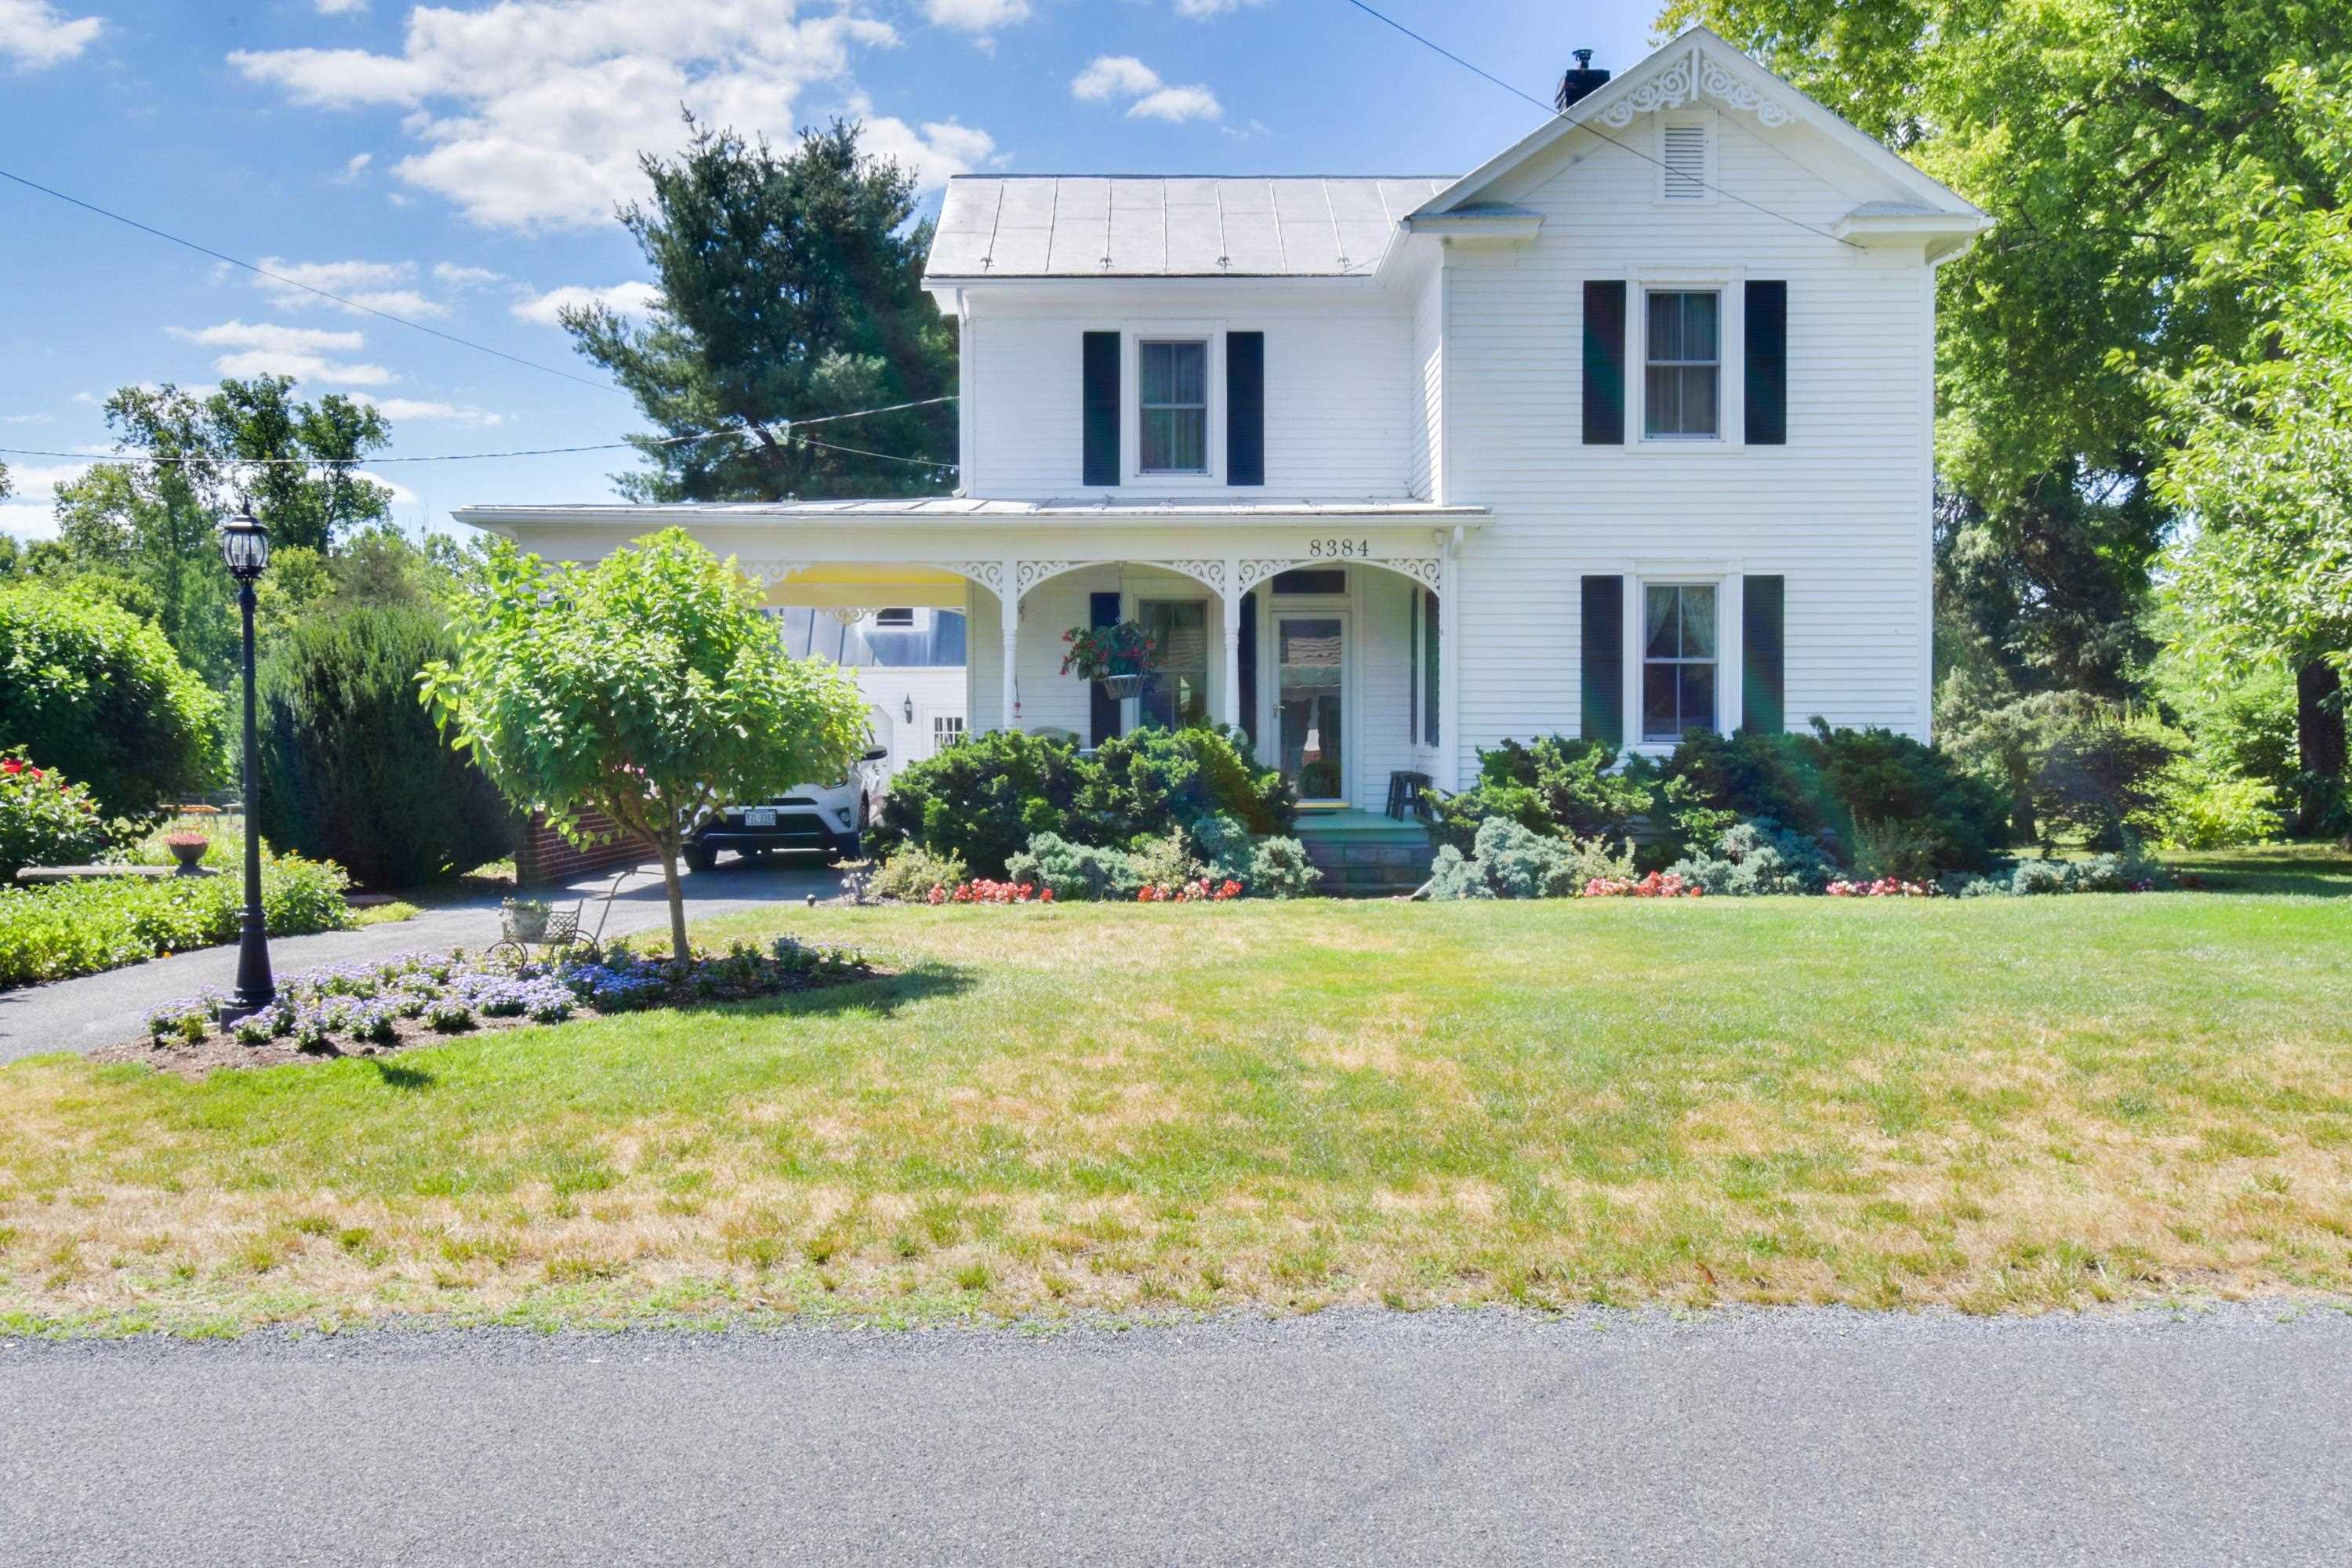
[(1626, 431)]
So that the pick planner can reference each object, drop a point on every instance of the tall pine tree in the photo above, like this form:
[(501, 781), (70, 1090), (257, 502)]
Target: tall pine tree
[(791, 288)]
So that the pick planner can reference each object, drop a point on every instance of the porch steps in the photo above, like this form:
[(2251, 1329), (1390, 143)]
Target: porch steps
[(1363, 855)]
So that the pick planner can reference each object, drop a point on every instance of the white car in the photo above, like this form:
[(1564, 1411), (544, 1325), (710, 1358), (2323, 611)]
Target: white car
[(821, 818)]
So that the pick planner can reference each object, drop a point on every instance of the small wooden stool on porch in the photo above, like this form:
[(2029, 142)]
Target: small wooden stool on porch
[(1405, 798)]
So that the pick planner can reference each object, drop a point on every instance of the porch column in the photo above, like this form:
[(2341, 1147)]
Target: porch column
[(1233, 706), (1008, 599)]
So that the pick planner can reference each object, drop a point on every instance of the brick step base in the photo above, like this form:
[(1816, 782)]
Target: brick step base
[(1373, 870)]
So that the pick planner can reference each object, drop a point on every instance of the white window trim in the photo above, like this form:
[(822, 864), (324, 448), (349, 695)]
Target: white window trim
[(1731, 640), (1133, 335), (1704, 119), (1730, 284)]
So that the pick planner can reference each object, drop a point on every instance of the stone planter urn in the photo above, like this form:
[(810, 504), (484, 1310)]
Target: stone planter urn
[(188, 849)]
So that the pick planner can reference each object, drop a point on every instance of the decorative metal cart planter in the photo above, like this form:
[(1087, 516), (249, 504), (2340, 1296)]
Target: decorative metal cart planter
[(551, 931)]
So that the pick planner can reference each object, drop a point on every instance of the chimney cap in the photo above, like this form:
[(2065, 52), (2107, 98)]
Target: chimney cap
[(1582, 79)]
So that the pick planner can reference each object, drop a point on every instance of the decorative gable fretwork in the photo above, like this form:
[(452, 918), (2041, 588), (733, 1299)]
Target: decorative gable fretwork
[(1696, 73)]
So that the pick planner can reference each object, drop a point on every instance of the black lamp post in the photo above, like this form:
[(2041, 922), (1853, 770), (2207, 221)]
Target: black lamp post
[(245, 545)]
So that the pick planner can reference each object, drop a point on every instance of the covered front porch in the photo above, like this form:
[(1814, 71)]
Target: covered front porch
[(1318, 629)]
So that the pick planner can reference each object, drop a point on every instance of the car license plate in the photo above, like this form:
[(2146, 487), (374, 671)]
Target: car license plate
[(759, 819)]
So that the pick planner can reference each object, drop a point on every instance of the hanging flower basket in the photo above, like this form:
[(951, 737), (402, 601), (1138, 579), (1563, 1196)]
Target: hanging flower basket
[(1118, 657)]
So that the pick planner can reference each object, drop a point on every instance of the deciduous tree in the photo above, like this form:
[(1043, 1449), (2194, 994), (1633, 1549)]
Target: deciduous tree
[(646, 687)]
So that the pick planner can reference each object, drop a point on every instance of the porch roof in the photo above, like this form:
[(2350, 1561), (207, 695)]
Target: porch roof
[(962, 512)]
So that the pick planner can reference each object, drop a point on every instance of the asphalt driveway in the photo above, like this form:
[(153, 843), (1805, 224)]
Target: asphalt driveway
[(101, 1009), (1798, 1437)]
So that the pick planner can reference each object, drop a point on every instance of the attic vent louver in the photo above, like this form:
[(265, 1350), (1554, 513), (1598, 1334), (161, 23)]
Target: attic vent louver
[(1684, 154)]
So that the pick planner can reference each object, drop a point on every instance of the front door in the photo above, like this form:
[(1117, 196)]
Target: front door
[(1310, 667)]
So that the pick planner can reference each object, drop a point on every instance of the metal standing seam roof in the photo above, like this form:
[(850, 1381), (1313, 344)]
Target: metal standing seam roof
[(1157, 226)]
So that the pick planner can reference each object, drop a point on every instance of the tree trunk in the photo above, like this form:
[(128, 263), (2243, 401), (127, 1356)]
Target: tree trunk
[(2319, 740), (677, 949)]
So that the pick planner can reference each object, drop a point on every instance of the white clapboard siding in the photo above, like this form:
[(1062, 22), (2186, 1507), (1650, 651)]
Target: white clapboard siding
[(1459, 379)]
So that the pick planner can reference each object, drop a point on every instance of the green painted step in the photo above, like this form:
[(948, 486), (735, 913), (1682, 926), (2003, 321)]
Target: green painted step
[(1363, 855)]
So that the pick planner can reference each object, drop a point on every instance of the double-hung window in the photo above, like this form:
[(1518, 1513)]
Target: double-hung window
[(1174, 402), (1684, 370), (1678, 659)]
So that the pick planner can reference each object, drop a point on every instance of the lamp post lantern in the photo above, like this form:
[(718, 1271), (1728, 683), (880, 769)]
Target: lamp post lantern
[(245, 546)]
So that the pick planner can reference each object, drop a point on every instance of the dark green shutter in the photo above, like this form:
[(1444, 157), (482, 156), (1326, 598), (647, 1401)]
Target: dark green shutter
[(1102, 610), (1245, 408), (1101, 409), (1763, 622), (1767, 364), (1604, 363), (1247, 662), (1605, 660), (1430, 664)]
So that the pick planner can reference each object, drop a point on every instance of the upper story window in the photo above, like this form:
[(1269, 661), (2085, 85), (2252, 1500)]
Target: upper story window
[(1685, 364), (1174, 401), (1678, 657)]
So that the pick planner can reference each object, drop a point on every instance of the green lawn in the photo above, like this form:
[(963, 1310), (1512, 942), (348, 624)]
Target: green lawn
[(1999, 1104)]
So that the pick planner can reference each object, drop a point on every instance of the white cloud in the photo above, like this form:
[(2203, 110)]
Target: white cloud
[(340, 8), (376, 285), (622, 298), (531, 114), (401, 494), (353, 167), (31, 512), (24, 419), (35, 32), (1177, 104), (457, 277), (261, 348), (1115, 75), (1123, 76), (977, 16), (417, 410), (1202, 10)]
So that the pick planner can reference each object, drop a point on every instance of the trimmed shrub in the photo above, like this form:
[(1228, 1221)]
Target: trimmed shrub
[(1555, 786), (353, 768), (1224, 847), (2099, 874), (913, 871), (1279, 869), (1755, 859), (1075, 871), (983, 801), (44, 820), (1147, 783), (1512, 862), (84, 928), (95, 693), (1885, 802)]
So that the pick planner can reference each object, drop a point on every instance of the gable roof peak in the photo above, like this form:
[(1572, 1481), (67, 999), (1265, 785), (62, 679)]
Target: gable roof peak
[(1697, 65)]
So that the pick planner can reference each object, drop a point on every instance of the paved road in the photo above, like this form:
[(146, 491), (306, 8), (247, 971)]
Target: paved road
[(1799, 1436), (101, 1009)]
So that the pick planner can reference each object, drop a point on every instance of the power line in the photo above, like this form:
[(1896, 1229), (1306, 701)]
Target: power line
[(786, 430), (307, 288), (1557, 113)]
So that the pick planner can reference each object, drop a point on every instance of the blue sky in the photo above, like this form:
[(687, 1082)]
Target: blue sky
[(457, 165)]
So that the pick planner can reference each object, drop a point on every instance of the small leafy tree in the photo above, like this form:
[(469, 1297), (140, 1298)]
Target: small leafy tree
[(646, 687)]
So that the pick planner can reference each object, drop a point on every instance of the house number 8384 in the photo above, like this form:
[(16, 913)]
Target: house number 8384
[(1340, 549)]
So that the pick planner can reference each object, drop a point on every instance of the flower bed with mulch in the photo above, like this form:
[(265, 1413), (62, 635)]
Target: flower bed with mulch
[(425, 999)]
